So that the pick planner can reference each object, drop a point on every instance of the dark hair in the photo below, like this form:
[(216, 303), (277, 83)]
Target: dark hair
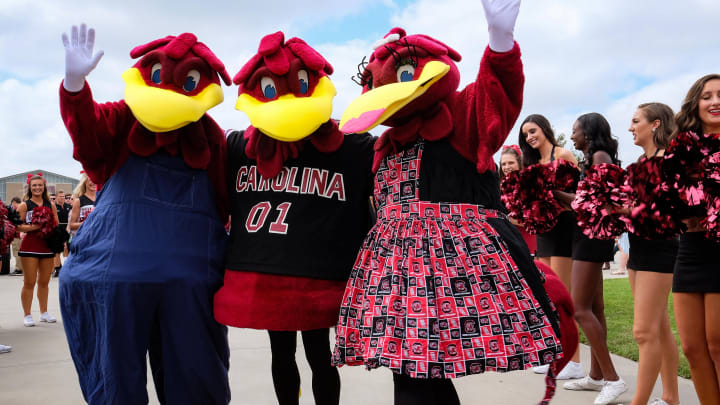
[(509, 151), (529, 154), (687, 118), (598, 136), (16, 200), (666, 130)]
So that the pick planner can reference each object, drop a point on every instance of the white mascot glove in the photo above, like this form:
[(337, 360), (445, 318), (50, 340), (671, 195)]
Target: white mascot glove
[(501, 16), (79, 58)]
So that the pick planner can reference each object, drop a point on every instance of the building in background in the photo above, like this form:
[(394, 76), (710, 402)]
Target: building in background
[(16, 184)]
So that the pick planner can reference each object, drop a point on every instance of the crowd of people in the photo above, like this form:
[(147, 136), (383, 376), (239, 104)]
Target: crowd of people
[(657, 264), (400, 242), (34, 259)]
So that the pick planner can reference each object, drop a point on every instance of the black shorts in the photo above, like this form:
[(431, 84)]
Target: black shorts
[(697, 268), (37, 255), (656, 255), (591, 250), (559, 240)]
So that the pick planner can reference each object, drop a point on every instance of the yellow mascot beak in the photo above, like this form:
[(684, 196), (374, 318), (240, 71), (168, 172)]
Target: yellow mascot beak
[(375, 106), (290, 118), (161, 110)]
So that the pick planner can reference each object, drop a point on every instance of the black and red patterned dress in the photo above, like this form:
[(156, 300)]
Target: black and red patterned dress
[(444, 285)]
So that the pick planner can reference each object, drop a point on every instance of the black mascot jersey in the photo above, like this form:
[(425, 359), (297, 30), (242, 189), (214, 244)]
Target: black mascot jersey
[(309, 210)]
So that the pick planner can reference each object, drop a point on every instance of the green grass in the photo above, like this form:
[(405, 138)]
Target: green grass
[(619, 315)]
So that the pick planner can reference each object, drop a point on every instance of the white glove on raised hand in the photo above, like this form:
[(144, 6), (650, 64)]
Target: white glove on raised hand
[(79, 58), (501, 16)]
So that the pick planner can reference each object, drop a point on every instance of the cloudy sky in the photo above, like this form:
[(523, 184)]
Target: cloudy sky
[(580, 56)]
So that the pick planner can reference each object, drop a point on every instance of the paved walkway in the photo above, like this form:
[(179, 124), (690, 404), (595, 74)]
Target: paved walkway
[(39, 370)]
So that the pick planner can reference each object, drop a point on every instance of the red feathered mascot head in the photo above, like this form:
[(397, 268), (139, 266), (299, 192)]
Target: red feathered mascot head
[(285, 88), (406, 74), (175, 83)]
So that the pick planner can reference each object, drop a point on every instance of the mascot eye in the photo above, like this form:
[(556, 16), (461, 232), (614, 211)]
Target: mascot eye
[(405, 73), (304, 83), (155, 73), (192, 80), (267, 85)]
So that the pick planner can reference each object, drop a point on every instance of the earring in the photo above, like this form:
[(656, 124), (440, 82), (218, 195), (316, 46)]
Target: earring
[(653, 130)]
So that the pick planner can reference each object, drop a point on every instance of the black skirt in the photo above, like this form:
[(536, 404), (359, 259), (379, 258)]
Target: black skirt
[(656, 255), (591, 250), (559, 240), (697, 268)]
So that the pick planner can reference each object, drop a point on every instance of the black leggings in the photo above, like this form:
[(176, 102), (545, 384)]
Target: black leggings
[(424, 391), (286, 378)]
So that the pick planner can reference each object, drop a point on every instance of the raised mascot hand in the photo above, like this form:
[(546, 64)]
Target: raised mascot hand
[(501, 16), (79, 58)]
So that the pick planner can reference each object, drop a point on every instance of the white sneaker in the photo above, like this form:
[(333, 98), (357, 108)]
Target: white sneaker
[(541, 369), (28, 321), (571, 371), (659, 401), (610, 392), (5, 349), (46, 317), (585, 384)]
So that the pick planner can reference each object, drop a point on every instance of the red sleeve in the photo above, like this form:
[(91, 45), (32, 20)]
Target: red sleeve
[(485, 111), (99, 132)]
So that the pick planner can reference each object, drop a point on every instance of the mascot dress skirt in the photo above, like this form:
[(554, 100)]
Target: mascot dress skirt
[(444, 285)]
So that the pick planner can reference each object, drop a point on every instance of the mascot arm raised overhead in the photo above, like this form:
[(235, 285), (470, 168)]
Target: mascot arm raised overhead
[(410, 84), (488, 108)]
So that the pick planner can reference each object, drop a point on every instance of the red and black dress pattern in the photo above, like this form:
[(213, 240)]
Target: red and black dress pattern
[(434, 291)]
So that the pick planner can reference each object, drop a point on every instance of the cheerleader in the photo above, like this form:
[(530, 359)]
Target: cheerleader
[(554, 248), (650, 266), (696, 277), (511, 161), (83, 203), (37, 258), (591, 134)]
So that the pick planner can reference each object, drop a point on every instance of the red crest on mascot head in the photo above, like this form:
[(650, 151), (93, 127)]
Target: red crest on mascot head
[(177, 48), (278, 55)]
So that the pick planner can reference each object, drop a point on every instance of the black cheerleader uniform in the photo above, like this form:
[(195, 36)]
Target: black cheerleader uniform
[(656, 255), (697, 268), (559, 240), (86, 207), (586, 249)]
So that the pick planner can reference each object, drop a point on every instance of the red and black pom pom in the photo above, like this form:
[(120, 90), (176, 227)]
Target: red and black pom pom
[(44, 217), (654, 201), (7, 229), (598, 194), (510, 188), (684, 170), (565, 175)]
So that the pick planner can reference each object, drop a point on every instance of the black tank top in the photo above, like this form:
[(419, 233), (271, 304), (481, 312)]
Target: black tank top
[(30, 207), (86, 207)]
